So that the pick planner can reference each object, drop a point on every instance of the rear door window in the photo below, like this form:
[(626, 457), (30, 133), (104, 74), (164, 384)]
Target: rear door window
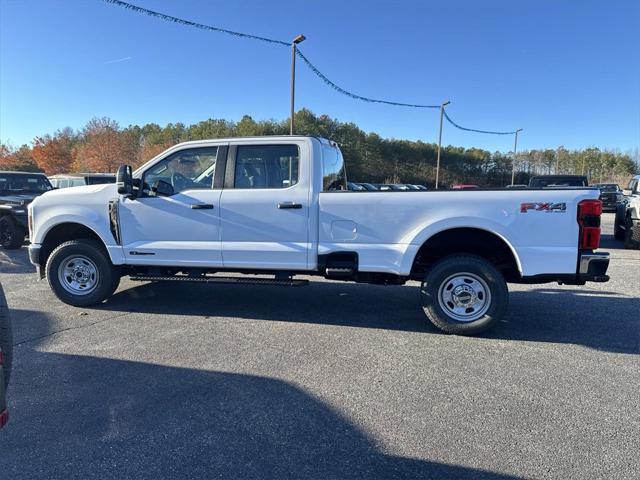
[(266, 166)]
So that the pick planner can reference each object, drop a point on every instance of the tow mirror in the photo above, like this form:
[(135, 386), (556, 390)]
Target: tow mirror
[(626, 192), (124, 180)]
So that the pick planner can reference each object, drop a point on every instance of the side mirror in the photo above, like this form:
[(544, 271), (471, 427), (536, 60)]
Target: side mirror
[(626, 192), (162, 188), (124, 180)]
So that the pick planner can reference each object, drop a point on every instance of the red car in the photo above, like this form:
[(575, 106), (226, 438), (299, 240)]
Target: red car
[(6, 349), (464, 187)]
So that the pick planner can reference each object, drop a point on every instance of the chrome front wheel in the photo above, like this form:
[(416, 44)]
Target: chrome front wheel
[(78, 275)]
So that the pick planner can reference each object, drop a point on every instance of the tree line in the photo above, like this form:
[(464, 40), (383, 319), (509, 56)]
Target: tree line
[(102, 145)]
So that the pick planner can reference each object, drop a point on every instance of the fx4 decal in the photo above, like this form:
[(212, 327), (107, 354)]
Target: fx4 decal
[(543, 207)]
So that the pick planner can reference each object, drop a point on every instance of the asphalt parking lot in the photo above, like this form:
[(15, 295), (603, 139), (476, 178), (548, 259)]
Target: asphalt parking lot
[(332, 380)]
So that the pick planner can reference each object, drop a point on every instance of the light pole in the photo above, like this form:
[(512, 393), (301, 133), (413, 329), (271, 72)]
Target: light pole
[(294, 46), (440, 141), (513, 163)]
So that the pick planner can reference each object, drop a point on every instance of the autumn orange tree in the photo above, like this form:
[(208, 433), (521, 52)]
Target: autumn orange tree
[(104, 147), (54, 154), (17, 159)]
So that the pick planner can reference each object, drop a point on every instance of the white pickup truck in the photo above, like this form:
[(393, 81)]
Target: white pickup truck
[(276, 207)]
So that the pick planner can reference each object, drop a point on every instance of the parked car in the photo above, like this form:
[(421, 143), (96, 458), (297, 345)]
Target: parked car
[(516, 186), (278, 207), (369, 187), (558, 181), (355, 187), (464, 187), (79, 179), (610, 195), (17, 190), (627, 221), (6, 352)]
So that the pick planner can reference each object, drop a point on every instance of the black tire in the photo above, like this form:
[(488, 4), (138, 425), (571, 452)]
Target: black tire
[(618, 231), (6, 338), (469, 270), (631, 234), (103, 280), (11, 235)]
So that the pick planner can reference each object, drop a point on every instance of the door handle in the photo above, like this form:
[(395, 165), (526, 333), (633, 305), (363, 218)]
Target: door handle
[(289, 205), (201, 206)]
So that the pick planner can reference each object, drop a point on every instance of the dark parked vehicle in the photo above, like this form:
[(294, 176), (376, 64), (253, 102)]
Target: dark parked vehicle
[(6, 351), (17, 190), (79, 179), (355, 187), (369, 187), (558, 181), (516, 186), (627, 222), (610, 195), (464, 187)]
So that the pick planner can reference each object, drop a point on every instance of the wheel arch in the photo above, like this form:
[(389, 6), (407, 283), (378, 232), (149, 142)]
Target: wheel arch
[(474, 240), (62, 232)]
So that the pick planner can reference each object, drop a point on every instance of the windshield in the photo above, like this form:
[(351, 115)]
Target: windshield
[(23, 183)]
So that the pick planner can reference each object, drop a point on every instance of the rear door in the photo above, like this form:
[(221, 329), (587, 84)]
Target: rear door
[(264, 207)]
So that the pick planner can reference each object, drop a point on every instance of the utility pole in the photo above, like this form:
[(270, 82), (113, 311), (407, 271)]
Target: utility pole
[(440, 141), (513, 162), (294, 46)]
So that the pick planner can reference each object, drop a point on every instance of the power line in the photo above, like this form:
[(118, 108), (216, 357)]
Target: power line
[(473, 129), (312, 67), (341, 90), (202, 26)]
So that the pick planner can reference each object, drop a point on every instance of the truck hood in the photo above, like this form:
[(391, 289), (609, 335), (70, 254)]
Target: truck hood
[(85, 194)]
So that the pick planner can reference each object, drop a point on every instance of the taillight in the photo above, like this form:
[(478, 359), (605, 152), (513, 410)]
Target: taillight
[(589, 212)]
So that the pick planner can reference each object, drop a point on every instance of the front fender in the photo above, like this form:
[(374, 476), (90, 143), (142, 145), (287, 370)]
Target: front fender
[(46, 220)]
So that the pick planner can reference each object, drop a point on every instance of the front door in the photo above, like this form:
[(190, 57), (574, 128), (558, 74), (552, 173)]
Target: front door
[(176, 219), (264, 207)]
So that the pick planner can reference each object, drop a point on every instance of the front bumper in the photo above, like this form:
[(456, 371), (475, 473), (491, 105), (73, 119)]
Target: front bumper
[(34, 258)]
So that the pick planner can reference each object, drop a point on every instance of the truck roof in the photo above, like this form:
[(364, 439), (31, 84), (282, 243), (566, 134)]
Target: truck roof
[(270, 138)]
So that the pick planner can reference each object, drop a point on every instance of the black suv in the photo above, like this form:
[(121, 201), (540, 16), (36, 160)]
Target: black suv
[(17, 190)]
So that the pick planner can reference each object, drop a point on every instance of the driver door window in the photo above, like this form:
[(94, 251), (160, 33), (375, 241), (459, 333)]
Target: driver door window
[(183, 170)]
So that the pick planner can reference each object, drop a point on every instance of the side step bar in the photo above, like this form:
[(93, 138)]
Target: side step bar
[(282, 282)]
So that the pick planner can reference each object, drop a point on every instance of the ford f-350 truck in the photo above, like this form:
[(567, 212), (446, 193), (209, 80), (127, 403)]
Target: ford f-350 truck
[(277, 207)]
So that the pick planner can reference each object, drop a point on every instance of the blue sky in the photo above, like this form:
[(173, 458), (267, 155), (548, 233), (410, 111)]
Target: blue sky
[(568, 72)]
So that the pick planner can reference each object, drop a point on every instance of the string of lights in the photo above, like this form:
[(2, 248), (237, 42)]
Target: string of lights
[(308, 63), (473, 129)]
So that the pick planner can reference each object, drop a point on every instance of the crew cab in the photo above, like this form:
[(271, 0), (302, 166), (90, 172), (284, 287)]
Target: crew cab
[(277, 207), (17, 190)]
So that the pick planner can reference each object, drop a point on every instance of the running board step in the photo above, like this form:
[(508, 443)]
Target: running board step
[(286, 282)]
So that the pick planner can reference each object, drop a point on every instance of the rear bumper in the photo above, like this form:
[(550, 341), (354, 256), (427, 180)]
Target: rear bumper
[(592, 267)]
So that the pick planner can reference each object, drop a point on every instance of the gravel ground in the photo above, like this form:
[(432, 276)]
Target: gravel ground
[(332, 380)]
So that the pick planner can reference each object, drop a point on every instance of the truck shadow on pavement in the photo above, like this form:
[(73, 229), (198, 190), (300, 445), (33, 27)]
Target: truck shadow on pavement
[(75, 416), (599, 320)]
